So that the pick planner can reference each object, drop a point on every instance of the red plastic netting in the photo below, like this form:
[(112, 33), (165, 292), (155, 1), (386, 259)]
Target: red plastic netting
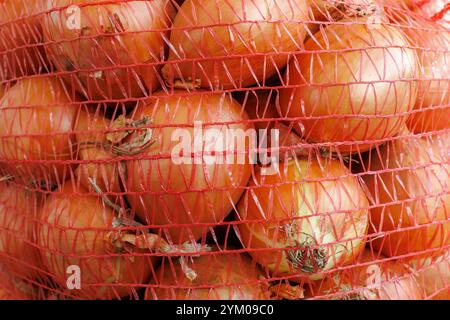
[(229, 149)]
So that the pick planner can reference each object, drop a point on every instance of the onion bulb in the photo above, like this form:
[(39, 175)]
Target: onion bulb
[(310, 217), (333, 10), (433, 275), (408, 181), (77, 229), (219, 276), (19, 209), (372, 278), (177, 180), (234, 43), (359, 92), (37, 117), (113, 51), (21, 51), (99, 168)]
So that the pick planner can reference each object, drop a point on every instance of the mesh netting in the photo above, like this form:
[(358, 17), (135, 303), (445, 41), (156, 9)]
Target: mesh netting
[(229, 149)]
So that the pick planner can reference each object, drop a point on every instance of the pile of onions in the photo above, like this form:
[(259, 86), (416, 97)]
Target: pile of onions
[(310, 217), (21, 51), (98, 166), (380, 280), (37, 117), (19, 209), (177, 181), (220, 276), (113, 51), (431, 42), (234, 43), (408, 180), (351, 96), (433, 275), (77, 228)]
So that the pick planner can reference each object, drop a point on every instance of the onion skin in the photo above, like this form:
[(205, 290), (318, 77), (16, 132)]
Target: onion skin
[(276, 29), (386, 280), (181, 194), (21, 36), (19, 209), (225, 276), (409, 185), (127, 36), (91, 130), (73, 231), (319, 90), (299, 200), (433, 275), (334, 10), (37, 117)]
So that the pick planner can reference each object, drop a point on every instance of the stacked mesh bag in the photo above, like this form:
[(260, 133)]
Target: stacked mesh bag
[(232, 149)]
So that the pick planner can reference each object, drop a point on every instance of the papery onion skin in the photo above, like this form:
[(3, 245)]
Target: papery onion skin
[(166, 190), (37, 117), (19, 209), (382, 280), (362, 94), (73, 232), (91, 129), (224, 276), (21, 51), (313, 205), (333, 10), (258, 34), (408, 180), (120, 43), (433, 275)]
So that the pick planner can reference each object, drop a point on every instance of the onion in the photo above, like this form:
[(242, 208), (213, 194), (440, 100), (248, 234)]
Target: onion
[(91, 133), (310, 217), (37, 117), (351, 96), (408, 180), (112, 50), (173, 184), (434, 276), (380, 280), (18, 211), (9, 289), (233, 43), (219, 276), (260, 105), (333, 10), (77, 229), (21, 51)]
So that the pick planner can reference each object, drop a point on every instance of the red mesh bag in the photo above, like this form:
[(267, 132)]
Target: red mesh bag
[(232, 150)]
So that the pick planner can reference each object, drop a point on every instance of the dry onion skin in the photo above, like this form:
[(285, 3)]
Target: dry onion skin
[(433, 275), (334, 10), (224, 276), (408, 183), (380, 280), (75, 230), (37, 116), (21, 51), (19, 209), (112, 51), (351, 96), (196, 187), (310, 217), (234, 43)]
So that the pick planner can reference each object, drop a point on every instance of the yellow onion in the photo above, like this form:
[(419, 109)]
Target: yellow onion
[(371, 278), (353, 86), (173, 184), (332, 10), (310, 217), (37, 116), (21, 51), (234, 43), (113, 50), (408, 180)]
